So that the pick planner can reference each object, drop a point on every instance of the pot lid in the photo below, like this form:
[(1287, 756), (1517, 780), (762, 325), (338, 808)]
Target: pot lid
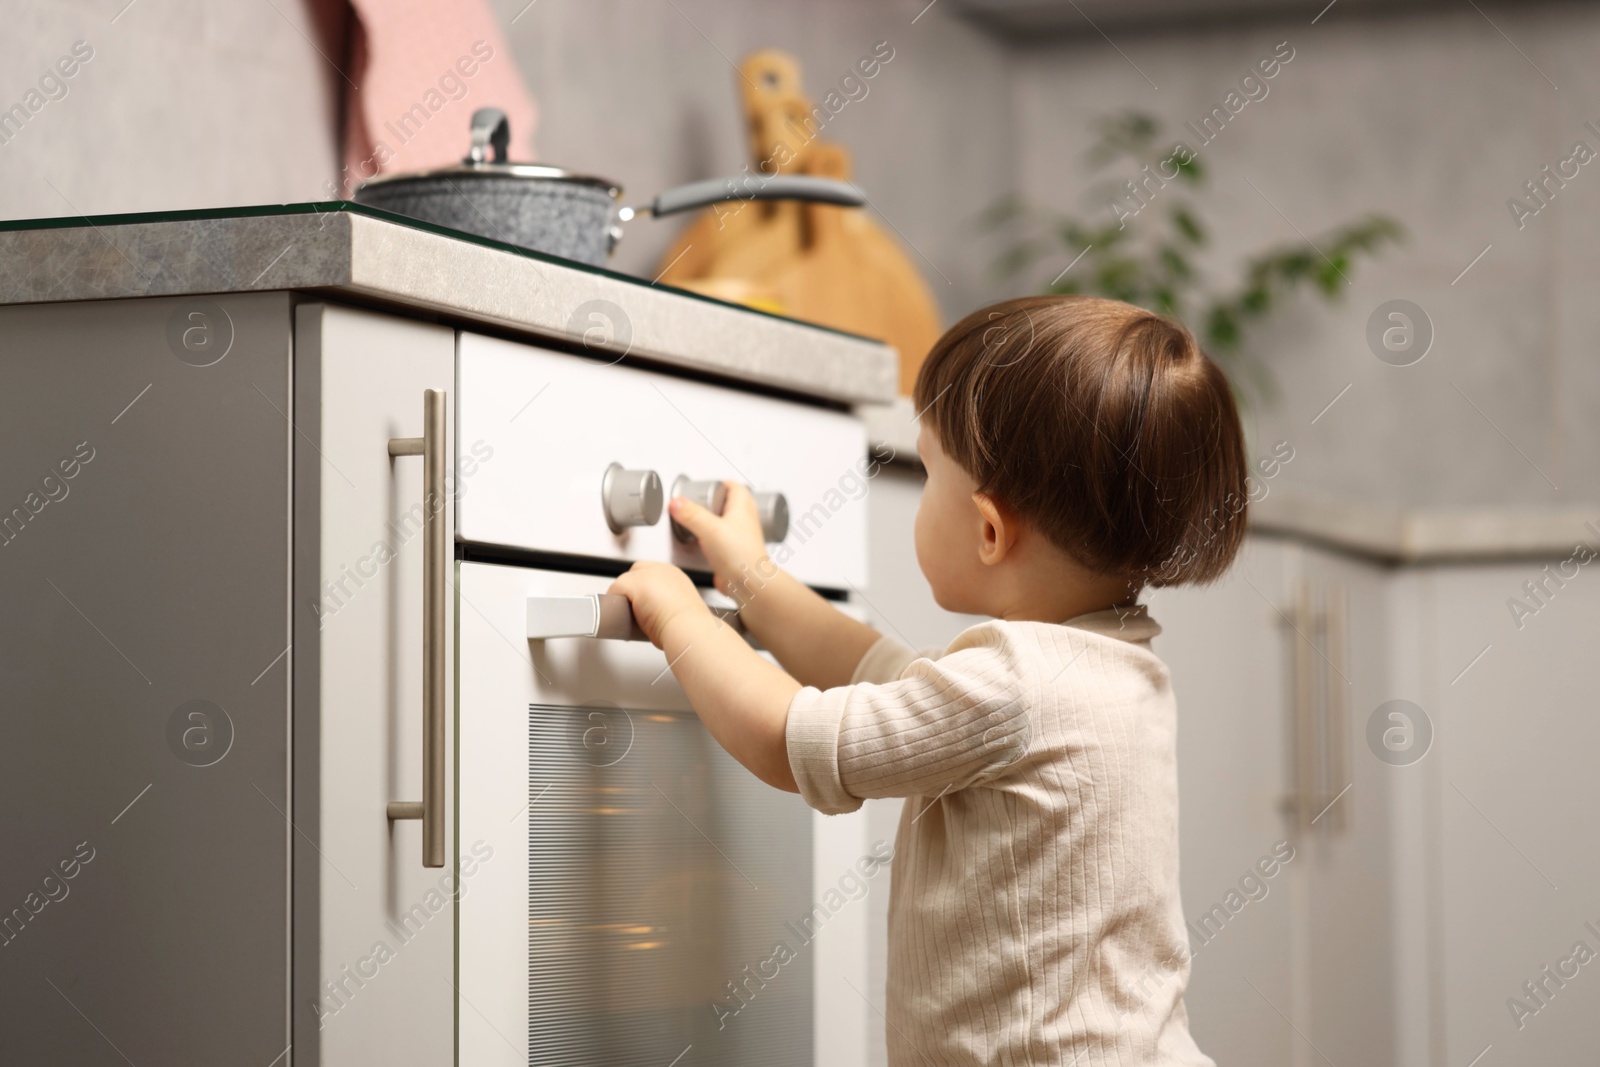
[(491, 133), (488, 169)]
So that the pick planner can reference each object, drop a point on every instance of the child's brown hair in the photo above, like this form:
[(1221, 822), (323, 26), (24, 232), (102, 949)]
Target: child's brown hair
[(1101, 423)]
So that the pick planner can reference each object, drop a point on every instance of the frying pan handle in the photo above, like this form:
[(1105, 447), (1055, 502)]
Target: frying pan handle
[(490, 130), (757, 187)]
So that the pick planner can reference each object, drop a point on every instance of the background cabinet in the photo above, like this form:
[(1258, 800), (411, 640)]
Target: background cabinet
[(1456, 876), (1281, 980), (1495, 832)]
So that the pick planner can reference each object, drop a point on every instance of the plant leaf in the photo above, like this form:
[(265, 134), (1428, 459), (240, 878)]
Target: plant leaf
[(1222, 327), (1018, 258), (1189, 169), (1005, 209), (1176, 265), (1187, 225), (1330, 277)]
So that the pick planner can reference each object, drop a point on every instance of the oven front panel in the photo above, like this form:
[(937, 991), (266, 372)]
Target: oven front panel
[(628, 893), (539, 429)]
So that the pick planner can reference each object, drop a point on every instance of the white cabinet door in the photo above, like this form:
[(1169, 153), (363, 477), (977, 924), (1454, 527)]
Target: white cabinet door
[(1345, 921), (373, 929), (1274, 692), (630, 894), (1510, 875), (1227, 650)]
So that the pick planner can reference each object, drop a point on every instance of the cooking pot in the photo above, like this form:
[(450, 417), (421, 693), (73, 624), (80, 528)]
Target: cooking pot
[(552, 210)]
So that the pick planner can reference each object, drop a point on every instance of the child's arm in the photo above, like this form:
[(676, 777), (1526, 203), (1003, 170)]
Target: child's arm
[(816, 643), (742, 699), (944, 726)]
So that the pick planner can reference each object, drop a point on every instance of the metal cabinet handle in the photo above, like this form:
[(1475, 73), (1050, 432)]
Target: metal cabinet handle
[(1337, 734), (1319, 707), (1305, 711), (608, 616), (431, 447)]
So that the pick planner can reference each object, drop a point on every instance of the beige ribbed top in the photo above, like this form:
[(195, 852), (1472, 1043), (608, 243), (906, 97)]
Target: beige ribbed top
[(1033, 907)]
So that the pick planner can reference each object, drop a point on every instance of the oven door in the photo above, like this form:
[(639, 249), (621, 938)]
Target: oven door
[(627, 893)]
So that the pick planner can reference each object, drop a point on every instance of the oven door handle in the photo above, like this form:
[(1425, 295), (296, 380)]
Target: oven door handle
[(435, 560), (607, 616)]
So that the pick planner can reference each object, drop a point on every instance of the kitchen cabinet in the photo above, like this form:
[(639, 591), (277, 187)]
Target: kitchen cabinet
[(1270, 686), (1234, 777), (1503, 876), (243, 583), (1399, 933)]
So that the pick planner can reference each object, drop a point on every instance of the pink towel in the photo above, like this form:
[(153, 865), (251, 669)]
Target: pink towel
[(422, 68)]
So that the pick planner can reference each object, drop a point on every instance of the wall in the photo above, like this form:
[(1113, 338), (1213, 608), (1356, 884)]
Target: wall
[(185, 104), (1436, 120)]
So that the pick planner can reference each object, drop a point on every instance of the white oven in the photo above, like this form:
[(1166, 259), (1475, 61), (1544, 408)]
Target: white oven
[(628, 893)]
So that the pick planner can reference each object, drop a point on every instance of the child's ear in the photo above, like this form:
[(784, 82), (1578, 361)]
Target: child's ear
[(1000, 526)]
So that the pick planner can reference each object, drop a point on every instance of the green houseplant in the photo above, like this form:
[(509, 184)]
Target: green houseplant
[(1143, 244)]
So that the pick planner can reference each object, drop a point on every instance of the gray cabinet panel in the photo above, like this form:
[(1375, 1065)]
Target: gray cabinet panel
[(146, 694)]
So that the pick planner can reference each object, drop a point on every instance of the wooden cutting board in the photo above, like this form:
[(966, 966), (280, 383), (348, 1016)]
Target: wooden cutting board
[(829, 265)]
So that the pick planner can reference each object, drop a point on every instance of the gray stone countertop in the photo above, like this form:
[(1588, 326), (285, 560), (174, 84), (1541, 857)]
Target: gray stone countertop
[(340, 248)]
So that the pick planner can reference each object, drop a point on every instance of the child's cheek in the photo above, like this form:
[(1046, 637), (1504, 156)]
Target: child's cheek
[(932, 536), (924, 539), (919, 531)]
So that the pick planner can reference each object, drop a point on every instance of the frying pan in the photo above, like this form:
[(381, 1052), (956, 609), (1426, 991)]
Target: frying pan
[(556, 211)]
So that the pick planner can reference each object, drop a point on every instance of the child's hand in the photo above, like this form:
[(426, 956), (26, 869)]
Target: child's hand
[(659, 592), (732, 542)]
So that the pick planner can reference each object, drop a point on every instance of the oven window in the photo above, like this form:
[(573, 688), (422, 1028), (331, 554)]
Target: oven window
[(667, 889)]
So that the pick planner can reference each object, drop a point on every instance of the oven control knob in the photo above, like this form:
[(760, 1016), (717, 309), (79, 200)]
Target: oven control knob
[(630, 498), (711, 495), (774, 509)]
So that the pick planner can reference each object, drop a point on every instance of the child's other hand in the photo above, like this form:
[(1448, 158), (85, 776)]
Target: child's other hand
[(732, 542), (659, 592)]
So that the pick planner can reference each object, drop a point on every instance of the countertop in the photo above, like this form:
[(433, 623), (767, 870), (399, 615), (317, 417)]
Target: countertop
[(373, 256)]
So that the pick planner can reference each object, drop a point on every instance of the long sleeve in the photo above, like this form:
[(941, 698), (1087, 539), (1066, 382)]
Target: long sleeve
[(942, 724)]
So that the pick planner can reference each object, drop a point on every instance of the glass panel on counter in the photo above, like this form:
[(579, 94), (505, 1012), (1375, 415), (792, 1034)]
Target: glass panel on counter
[(324, 207)]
